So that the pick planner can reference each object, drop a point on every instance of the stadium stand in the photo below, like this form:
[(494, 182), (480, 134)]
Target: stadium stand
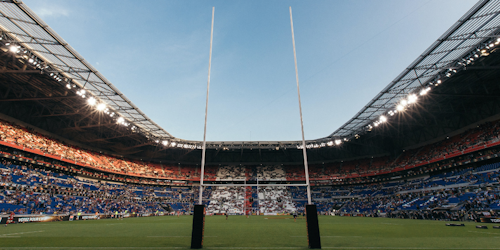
[(441, 181)]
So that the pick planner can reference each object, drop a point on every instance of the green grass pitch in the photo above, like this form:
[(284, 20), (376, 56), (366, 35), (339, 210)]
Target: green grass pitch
[(256, 232)]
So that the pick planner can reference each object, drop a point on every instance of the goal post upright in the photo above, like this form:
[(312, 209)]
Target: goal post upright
[(313, 236), (199, 210), (204, 147)]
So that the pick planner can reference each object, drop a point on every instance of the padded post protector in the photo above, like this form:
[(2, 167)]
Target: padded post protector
[(198, 227), (312, 227)]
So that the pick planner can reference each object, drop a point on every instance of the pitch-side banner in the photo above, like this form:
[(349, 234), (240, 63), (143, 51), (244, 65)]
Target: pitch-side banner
[(490, 220), (48, 218)]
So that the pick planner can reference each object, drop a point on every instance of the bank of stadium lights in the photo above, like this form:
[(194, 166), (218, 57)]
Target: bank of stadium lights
[(481, 51), (33, 60)]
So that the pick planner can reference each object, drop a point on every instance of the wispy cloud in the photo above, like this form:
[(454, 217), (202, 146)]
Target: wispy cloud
[(51, 11)]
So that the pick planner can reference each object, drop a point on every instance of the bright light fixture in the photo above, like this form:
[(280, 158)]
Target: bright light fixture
[(14, 48), (383, 118), (120, 120), (92, 101), (101, 106), (338, 142), (400, 107), (412, 98)]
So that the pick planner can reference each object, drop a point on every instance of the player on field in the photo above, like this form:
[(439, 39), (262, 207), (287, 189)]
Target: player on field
[(10, 219)]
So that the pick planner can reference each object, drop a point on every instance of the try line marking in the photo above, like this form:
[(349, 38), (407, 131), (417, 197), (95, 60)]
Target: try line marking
[(430, 248), (151, 248), (83, 248), (326, 236), (176, 236)]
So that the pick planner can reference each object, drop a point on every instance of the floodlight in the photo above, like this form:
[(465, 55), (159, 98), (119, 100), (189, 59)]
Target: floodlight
[(338, 142), (91, 101), (101, 106), (383, 118), (120, 120), (31, 60), (173, 144), (412, 98), (424, 91), (68, 86), (330, 143), (165, 143), (157, 141), (14, 48)]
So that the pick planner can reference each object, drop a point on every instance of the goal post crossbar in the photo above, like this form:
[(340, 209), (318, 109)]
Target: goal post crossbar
[(253, 185)]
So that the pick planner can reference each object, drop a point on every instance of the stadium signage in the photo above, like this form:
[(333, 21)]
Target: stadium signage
[(48, 218), (490, 220), (25, 219)]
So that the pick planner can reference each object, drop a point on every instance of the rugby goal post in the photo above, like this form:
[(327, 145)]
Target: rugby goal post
[(199, 210)]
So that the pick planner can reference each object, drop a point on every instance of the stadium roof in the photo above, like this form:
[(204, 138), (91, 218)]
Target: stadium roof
[(55, 58), (446, 55), (20, 23)]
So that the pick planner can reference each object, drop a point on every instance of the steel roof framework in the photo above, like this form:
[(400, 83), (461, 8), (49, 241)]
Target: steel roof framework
[(477, 26), (22, 25), (468, 34)]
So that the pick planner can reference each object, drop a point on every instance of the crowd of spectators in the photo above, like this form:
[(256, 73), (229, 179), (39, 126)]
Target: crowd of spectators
[(26, 189), (453, 195), (472, 138)]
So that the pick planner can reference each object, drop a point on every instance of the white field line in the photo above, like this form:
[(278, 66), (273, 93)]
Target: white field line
[(332, 236), (417, 248), (152, 248), (176, 236), (429, 248), (91, 248), (483, 232), (16, 234)]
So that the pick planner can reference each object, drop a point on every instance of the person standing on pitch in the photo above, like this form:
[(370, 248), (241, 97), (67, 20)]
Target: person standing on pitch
[(10, 219)]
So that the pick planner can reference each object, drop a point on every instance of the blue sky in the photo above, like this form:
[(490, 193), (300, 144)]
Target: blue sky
[(156, 53)]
